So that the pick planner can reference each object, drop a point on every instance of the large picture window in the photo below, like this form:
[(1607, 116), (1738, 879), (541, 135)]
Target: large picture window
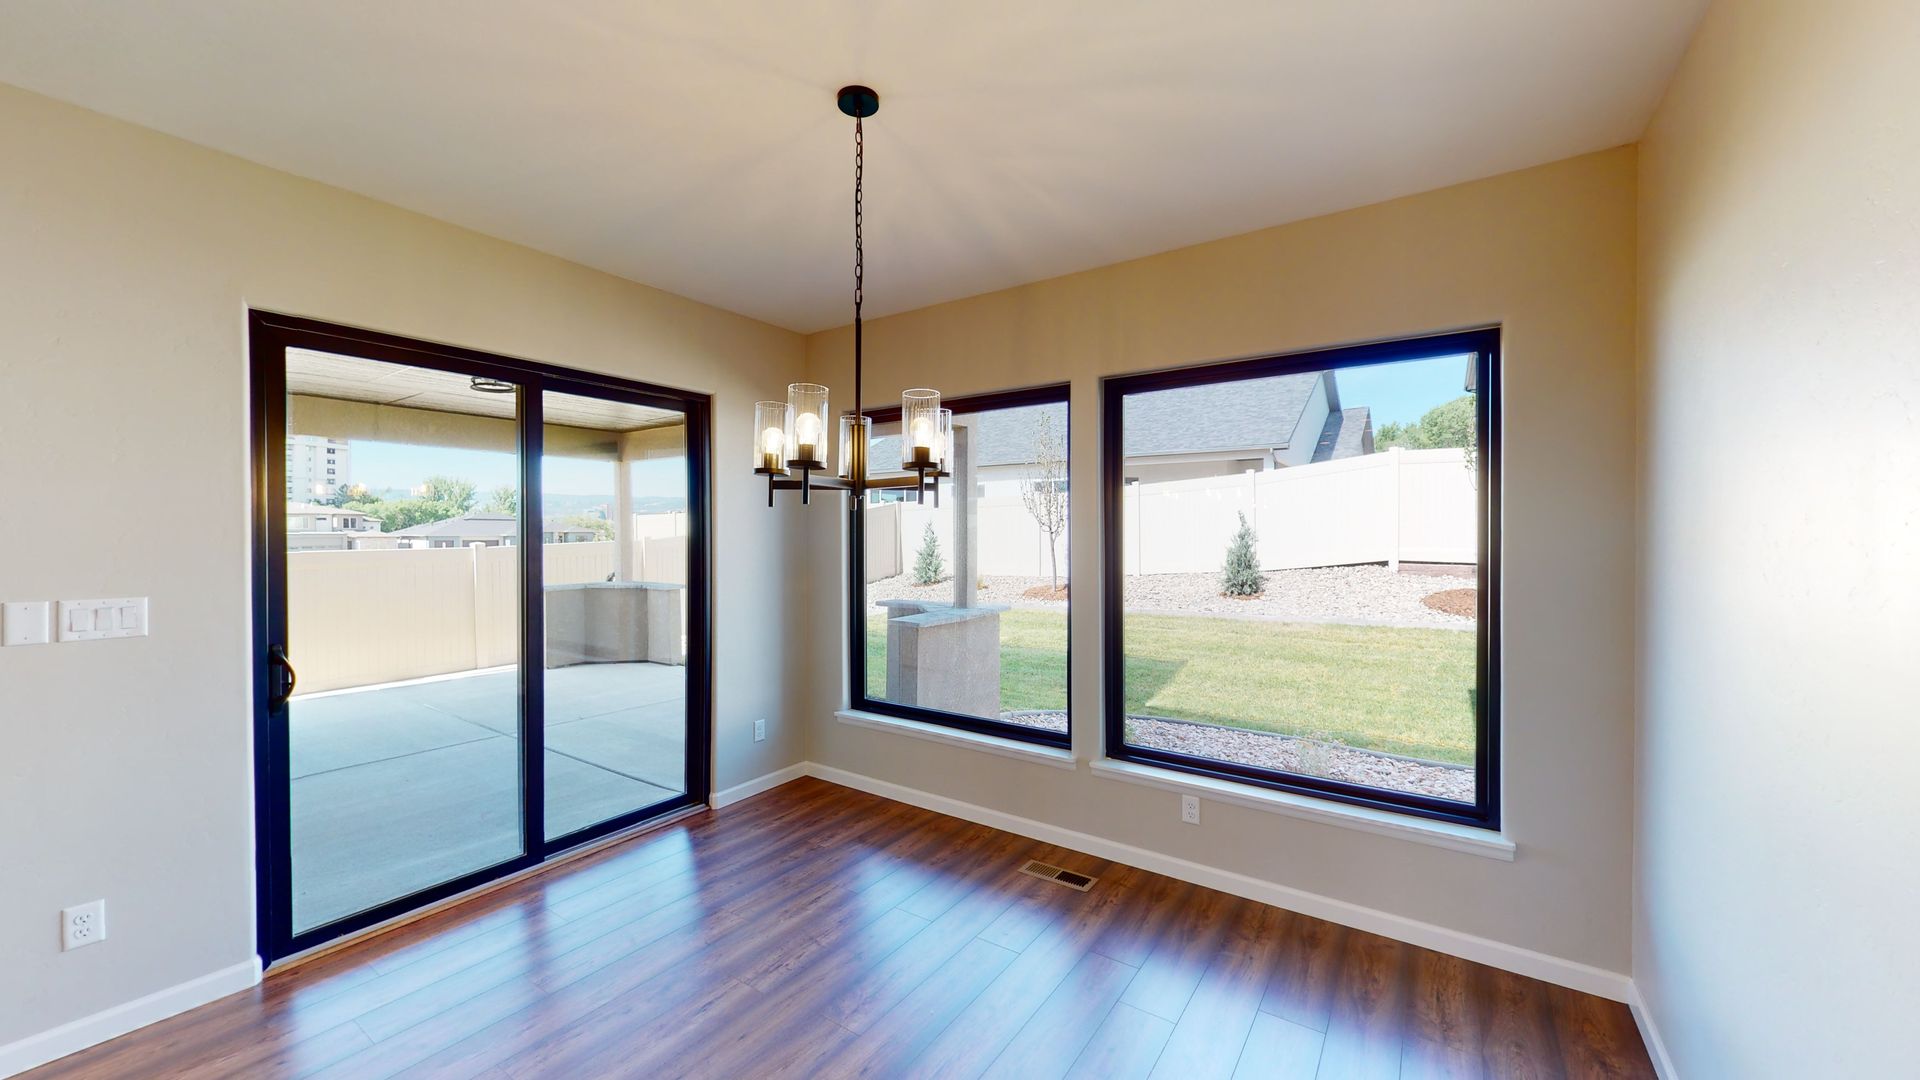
[(1302, 573), (960, 601)]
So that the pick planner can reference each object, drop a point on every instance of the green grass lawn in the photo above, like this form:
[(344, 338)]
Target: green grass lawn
[(1403, 691)]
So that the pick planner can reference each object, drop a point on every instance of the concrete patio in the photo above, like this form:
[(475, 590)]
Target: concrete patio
[(405, 785)]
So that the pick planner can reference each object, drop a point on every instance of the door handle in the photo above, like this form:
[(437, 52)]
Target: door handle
[(281, 678)]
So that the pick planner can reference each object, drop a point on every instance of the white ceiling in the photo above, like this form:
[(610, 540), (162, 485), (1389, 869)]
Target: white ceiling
[(695, 146)]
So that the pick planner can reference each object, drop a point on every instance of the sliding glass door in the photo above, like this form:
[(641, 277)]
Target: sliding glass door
[(614, 545), (480, 618)]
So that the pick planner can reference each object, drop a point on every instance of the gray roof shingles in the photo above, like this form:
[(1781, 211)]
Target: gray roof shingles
[(1347, 433)]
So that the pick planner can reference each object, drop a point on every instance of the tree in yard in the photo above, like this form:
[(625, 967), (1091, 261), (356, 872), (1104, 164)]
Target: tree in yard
[(927, 566), (445, 489), (348, 493), (1450, 424), (397, 514), (1045, 493), (602, 528), (504, 499), (1242, 576)]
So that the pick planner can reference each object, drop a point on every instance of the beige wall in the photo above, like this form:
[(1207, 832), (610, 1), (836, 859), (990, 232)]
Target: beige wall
[(128, 264), (1776, 881), (1549, 253)]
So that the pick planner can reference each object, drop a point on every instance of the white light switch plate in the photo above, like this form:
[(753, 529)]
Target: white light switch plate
[(24, 622), (88, 620)]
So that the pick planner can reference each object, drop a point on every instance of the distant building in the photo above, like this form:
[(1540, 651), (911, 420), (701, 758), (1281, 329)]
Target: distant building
[(317, 466), (486, 529)]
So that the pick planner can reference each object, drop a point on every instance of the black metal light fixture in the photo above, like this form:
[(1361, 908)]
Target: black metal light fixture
[(791, 436)]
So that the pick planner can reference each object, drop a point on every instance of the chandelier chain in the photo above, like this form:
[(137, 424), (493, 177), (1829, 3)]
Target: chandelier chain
[(859, 168), (859, 250)]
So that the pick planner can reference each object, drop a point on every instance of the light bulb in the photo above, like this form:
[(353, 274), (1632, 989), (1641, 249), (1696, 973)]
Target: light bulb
[(806, 432), (772, 441), (923, 431)]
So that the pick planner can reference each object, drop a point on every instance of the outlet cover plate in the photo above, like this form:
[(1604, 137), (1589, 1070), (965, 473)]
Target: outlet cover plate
[(83, 925), (1190, 809)]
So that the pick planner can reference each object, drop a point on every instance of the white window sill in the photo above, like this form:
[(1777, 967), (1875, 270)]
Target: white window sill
[(1443, 834), (992, 744)]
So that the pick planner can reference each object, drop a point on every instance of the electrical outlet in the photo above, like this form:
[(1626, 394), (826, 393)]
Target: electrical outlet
[(1190, 809), (83, 925), (760, 730)]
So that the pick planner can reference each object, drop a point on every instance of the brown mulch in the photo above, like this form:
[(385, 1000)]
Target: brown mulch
[(1046, 592), (1462, 602)]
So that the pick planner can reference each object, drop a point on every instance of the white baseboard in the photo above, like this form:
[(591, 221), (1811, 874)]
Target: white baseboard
[(1650, 1034), (757, 785), (1568, 973), (77, 1035)]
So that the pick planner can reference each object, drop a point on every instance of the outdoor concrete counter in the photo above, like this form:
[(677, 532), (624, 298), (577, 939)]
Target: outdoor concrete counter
[(614, 622), (944, 657)]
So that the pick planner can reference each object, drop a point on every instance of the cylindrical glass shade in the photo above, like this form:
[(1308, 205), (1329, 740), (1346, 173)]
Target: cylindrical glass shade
[(771, 419), (919, 429), (807, 442), (853, 445), (943, 439)]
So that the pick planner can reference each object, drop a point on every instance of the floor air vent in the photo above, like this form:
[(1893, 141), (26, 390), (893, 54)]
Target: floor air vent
[(1055, 874)]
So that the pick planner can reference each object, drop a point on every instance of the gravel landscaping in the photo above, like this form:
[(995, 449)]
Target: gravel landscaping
[(1285, 753), (1364, 595)]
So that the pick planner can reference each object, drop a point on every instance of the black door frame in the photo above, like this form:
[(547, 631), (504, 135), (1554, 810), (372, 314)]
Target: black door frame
[(269, 335)]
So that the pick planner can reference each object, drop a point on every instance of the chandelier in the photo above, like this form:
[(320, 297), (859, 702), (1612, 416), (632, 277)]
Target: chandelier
[(790, 437)]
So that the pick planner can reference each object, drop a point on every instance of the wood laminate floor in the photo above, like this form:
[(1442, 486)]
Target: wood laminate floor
[(819, 931)]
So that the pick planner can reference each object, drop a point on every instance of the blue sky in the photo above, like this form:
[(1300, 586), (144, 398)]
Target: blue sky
[(1403, 391), (383, 465)]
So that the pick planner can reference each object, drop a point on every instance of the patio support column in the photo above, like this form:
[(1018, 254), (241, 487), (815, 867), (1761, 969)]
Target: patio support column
[(623, 517), (966, 521)]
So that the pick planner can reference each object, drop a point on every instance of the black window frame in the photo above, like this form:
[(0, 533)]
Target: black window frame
[(1050, 394), (1484, 343)]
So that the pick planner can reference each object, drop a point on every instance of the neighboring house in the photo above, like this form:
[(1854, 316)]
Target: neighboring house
[(312, 517), (1187, 432), (485, 529), (312, 527)]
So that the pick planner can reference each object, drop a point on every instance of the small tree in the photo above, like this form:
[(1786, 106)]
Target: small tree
[(348, 493), (927, 567), (1242, 576), (454, 492), (504, 499), (1045, 493), (602, 528)]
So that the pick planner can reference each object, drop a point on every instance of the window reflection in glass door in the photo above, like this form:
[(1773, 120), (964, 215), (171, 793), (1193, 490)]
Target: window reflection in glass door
[(615, 528)]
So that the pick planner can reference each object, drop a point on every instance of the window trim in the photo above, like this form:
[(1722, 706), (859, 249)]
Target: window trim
[(1485, 343), (858, 701)]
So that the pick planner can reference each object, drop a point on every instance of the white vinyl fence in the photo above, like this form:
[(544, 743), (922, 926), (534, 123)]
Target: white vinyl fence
[(1390, 507), (359, 618)]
